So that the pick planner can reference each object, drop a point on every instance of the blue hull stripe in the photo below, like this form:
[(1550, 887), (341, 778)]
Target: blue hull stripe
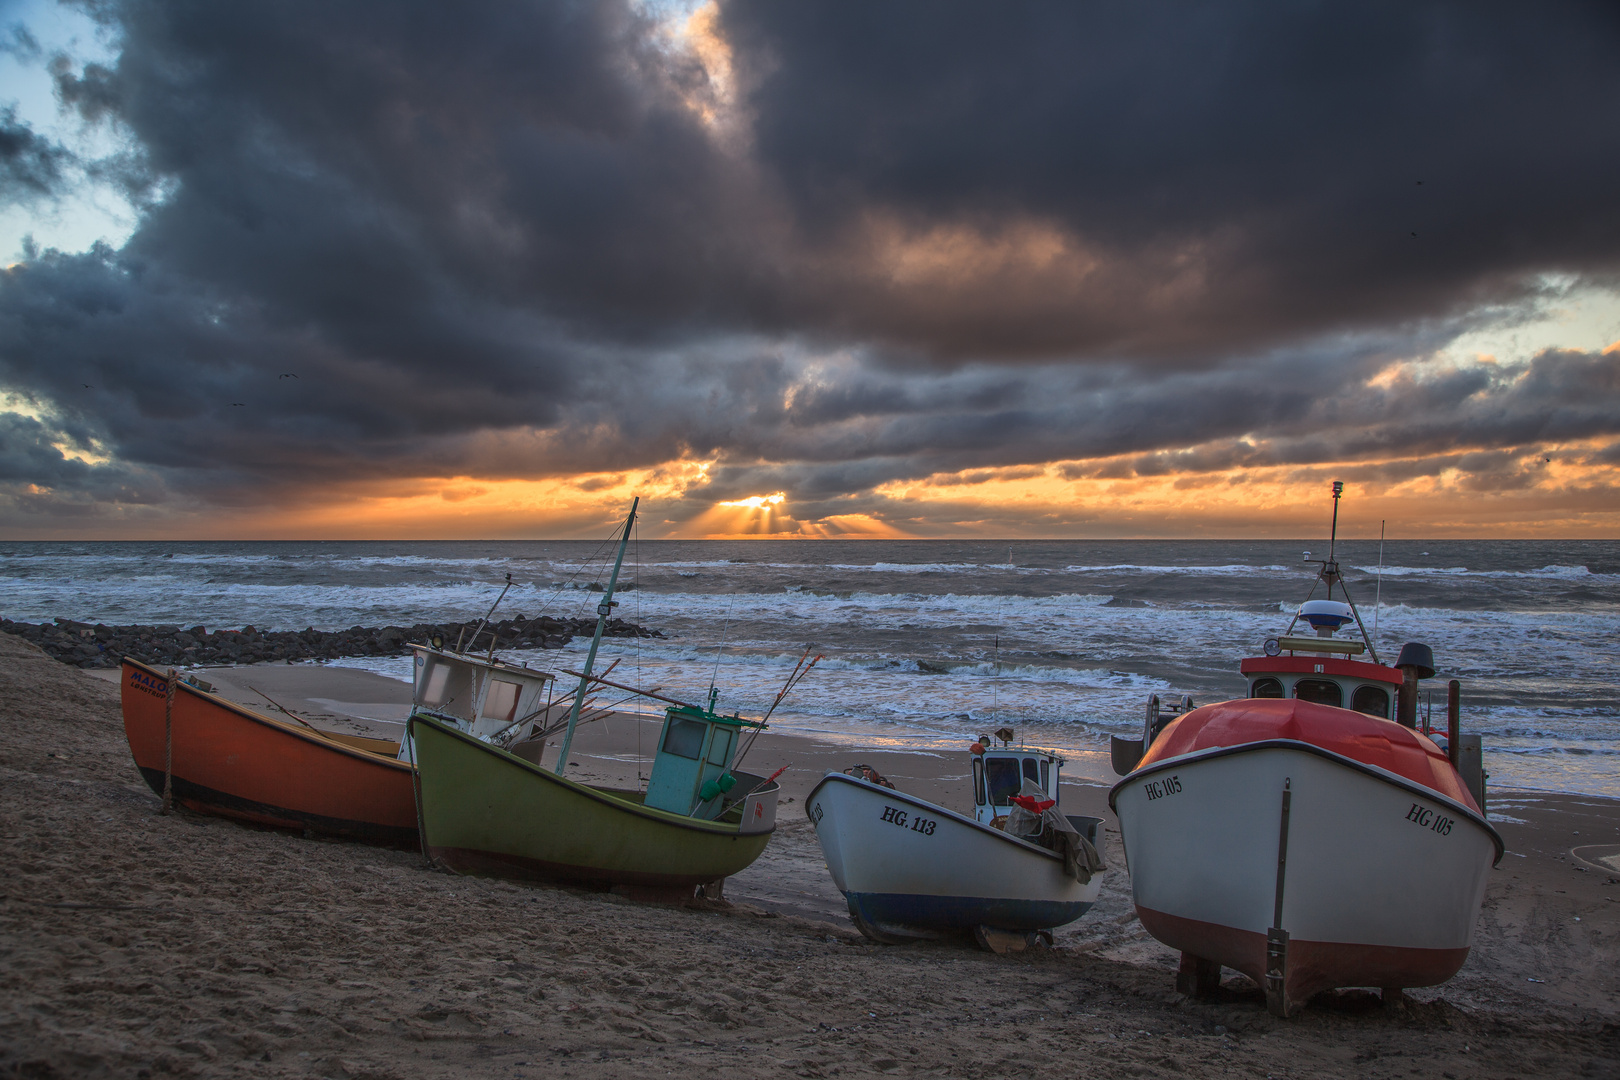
[(964, 912)]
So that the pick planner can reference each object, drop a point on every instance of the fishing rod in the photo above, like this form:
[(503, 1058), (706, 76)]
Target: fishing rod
[(762, 784), (632, 689), (796, 676), (596, 713)]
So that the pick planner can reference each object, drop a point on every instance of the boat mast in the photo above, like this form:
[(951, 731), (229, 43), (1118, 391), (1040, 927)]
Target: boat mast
[(603, 610), (1330, 574)]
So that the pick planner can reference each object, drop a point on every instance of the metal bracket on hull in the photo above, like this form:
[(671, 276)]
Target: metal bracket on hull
[(1277, 972), (1276, 936)]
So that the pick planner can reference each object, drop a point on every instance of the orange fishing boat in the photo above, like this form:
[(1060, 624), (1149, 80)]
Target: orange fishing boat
[(228, 760)]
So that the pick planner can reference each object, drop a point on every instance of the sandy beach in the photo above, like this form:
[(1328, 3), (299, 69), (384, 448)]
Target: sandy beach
[(141, 945)]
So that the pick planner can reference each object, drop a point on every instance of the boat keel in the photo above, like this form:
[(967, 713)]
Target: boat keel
[(1005, 941), (1198, 977)]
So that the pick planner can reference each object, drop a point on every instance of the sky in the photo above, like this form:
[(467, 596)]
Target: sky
[(930, 269)]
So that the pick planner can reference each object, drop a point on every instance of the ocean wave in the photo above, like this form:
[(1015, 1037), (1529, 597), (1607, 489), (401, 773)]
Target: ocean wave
[(1545, 573), (1222, 570)]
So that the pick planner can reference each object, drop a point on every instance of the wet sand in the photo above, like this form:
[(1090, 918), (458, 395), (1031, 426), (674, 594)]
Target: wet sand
[(141, 945)]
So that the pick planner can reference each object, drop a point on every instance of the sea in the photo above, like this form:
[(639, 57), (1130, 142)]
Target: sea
[(925, 644)]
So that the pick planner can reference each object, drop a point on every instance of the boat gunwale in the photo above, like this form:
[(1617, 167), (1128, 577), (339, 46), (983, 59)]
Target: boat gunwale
[(663, 817), (314, 737), (919, 801), (1375, 771)]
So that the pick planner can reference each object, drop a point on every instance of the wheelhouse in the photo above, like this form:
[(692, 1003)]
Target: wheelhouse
[(691, 770), (999, 773), (1345, 684), (482, 697)]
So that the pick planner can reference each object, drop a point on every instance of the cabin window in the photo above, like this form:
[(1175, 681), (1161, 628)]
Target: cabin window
[(720, 748), (1046, 776), (1004, 779), (685, 739), (434, 683), (1321, 691), (501, 701), (978, 781), (1372, 700), (1031, 771), (1266, 688)]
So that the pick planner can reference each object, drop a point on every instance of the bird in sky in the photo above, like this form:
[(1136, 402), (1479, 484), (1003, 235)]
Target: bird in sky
[(289, 375), (238, 404), (87, 386)]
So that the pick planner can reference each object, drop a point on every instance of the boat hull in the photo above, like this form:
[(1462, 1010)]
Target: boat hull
[(232, 762), (1381, 885), (950, 873), (490, 813)]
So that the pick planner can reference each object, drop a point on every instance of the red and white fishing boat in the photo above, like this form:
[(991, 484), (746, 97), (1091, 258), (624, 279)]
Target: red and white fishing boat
[(1308, 835)]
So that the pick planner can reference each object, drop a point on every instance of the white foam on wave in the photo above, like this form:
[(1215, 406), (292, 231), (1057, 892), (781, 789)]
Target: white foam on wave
[(1545, 573), (1138, 568)]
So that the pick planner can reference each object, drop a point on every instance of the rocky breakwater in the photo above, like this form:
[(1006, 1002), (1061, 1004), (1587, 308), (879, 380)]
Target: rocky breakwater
[(93, 645)]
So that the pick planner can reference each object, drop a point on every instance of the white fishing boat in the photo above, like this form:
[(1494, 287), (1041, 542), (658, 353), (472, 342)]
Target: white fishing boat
[(913, 869), (1308, 835)]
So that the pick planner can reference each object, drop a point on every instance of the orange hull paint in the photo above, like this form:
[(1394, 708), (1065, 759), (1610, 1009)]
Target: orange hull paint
[(233, 762)]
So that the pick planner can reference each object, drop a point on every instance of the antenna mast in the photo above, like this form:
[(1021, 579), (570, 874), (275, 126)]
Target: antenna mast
[(603, 611)]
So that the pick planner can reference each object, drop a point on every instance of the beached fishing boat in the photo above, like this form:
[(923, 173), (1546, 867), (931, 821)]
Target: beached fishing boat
[(1309, 835), (218, 757), (913, 869), (490, 811)]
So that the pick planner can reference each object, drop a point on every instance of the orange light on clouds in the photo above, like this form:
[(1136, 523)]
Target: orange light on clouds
[(757, 502), (1551, 496), (430, 508), (1565, 491), (766, 517)]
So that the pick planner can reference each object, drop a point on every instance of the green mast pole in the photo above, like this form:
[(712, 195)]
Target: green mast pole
[(603, 611)]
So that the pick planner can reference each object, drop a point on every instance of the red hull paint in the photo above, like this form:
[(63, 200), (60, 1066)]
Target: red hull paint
[(1371, 740), (233, 762), (1313, 966)]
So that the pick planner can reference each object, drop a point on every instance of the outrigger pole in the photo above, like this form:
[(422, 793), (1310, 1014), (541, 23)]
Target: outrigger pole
[(603, 611)]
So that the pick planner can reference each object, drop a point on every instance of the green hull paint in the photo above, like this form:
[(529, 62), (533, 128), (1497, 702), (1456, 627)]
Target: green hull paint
[(486, 812)]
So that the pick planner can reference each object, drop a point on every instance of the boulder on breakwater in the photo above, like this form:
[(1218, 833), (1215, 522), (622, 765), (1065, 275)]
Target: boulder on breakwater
[(97, 645)]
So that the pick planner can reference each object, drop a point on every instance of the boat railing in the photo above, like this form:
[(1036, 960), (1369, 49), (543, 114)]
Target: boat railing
[(1125, 753)]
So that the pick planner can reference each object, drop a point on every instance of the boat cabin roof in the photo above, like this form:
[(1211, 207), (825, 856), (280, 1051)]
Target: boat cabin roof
[(692, 712), (1320, 665)]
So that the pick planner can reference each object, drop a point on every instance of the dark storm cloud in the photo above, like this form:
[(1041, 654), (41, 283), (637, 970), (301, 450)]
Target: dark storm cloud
[(31, 167), (1295, 165), (392, 240)]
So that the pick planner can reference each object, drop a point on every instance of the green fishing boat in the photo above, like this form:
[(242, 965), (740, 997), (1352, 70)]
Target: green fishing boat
[(492, 812)]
